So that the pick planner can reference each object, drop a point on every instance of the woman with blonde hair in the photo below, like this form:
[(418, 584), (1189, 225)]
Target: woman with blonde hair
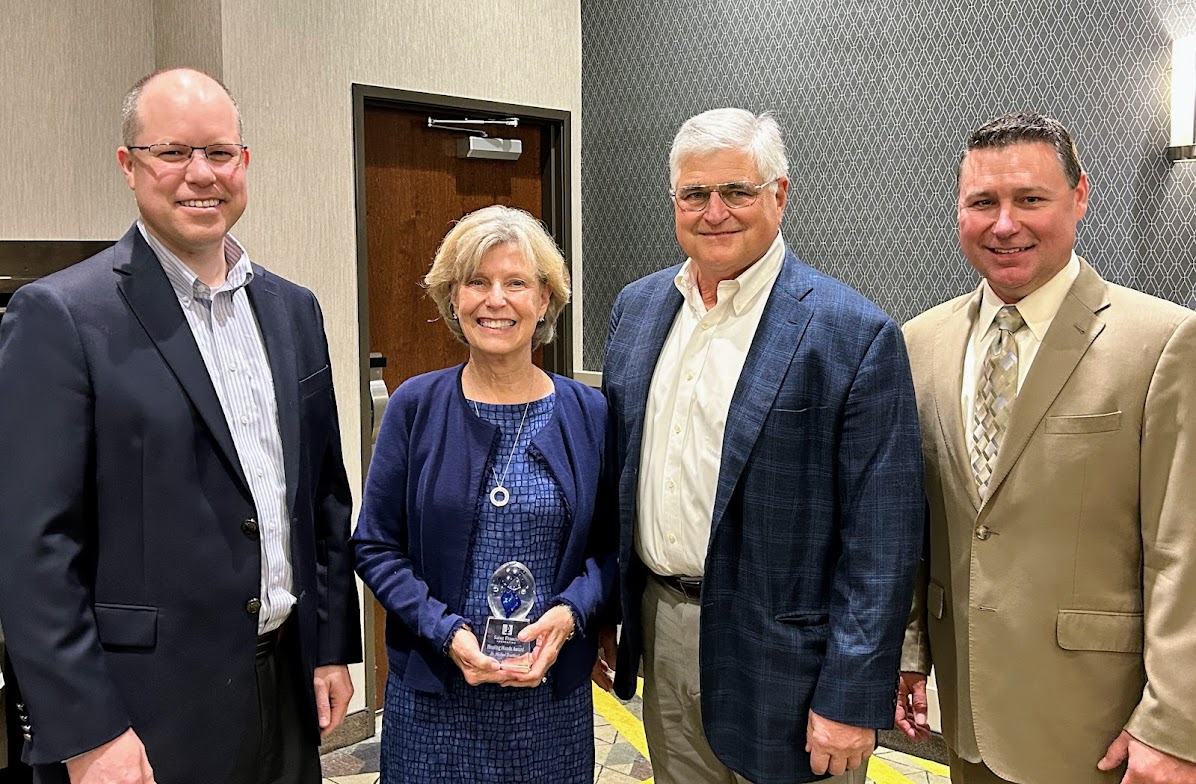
[(475, 467)]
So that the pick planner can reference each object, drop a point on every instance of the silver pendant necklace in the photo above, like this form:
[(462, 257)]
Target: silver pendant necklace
[(499, 496)]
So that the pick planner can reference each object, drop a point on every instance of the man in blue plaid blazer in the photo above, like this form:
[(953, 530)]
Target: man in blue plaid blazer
[(769, 472)]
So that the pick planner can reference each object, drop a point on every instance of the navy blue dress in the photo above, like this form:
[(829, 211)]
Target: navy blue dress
[(488, 733)]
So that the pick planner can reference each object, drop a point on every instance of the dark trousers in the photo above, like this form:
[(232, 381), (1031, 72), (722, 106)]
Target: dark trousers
[(288, 754)]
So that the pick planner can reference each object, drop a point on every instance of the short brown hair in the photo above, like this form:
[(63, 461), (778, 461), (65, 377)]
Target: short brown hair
[(1026, 128)]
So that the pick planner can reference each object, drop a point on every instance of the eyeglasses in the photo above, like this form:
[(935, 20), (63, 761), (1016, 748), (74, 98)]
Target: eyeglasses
[(695, 198), (219, 156)]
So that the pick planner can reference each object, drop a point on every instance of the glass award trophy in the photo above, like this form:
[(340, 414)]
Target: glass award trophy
[(511, 595)]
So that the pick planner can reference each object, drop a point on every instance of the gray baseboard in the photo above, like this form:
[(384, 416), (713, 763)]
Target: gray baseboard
[(933, 749), (356, 728)]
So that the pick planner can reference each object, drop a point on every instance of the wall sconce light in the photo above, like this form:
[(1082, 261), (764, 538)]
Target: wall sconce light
[(1183, 100)]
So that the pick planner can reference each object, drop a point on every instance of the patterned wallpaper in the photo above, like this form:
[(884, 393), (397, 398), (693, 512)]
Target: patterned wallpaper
[(875, 99)]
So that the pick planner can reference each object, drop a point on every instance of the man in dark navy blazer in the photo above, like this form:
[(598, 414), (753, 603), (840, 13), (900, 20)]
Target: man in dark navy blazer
[(175, 583), (770, 485)]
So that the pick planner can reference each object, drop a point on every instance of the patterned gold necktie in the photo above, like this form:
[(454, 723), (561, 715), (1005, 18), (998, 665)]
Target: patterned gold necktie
[(996, 390)]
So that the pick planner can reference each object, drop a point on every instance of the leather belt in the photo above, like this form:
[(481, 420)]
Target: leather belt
[(267, 643), (689, 587)]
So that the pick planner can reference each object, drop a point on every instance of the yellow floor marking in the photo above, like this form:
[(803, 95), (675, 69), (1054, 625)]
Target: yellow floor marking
[(881, 772), (624, 722)]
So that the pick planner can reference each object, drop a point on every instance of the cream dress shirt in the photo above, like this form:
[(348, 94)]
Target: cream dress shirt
[(695, 377), (1038, 308)]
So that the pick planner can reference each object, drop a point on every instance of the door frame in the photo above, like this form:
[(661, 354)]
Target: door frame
[(556, 208)]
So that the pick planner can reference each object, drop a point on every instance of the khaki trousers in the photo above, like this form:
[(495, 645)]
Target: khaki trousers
[(964, 772), (672, 698)]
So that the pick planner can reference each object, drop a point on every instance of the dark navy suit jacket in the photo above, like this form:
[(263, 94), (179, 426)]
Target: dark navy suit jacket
[(417, 517), (817, 524), (126, 567)]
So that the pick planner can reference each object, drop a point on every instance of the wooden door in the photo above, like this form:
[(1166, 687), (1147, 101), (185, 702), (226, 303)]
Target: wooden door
[(415, 188)]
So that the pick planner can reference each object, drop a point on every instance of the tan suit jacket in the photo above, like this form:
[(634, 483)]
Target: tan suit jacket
[(1063, 608)]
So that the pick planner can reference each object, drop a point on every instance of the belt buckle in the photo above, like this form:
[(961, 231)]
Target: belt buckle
[(691, 588), (688, 587)]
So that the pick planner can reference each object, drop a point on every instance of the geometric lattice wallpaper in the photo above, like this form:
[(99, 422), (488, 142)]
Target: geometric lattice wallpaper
[(874, 100)]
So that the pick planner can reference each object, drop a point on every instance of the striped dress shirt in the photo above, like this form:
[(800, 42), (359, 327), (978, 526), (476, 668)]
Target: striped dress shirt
[(234, 352)]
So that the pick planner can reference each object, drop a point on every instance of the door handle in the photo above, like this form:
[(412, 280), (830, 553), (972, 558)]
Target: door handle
[(379, 396)]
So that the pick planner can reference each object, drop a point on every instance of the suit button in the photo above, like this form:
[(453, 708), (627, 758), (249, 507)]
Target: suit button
[(28, 736), (253, 605), (983, 532), (250, 528)]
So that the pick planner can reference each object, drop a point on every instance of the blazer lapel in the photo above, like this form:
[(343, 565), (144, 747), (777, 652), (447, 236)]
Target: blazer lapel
[(949, 352), (778, 336), (1074, 328), (661, 311), (274, 323), (147, 290)]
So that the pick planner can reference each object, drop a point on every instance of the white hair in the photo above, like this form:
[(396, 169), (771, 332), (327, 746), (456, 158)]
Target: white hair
[(731, 129)]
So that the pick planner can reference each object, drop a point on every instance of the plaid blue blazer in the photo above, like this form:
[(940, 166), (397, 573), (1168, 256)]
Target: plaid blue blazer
[(818, 516)]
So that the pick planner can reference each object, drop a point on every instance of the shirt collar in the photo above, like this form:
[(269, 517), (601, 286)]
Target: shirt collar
[(741, 290), (1039, 307), (186, 283)]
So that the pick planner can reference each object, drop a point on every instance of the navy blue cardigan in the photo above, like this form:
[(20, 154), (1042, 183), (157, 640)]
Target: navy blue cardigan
[(417, 518)]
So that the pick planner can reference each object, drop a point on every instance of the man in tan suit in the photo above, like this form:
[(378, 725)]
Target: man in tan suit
[(1058, 595)]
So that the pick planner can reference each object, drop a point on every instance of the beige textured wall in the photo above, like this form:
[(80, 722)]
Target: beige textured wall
[(291, 65), (187, 33), (66, 65)]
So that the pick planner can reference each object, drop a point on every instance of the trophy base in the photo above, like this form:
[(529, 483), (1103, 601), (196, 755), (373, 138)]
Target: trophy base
[(501, 641)]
